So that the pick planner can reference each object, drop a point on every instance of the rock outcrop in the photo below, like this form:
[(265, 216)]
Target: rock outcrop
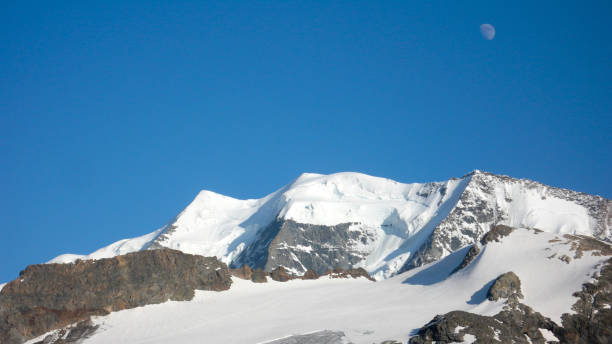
[(506, 286), (496, 233), (52, 296), (590, 321), (517, 325), (353, 273), (280, 274)]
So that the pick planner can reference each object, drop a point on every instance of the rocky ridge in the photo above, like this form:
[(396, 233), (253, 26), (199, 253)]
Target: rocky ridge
[(280, 274), (52, 296), (481, 206)]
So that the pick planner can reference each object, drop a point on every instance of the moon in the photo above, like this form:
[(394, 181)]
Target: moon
[(487, 31)]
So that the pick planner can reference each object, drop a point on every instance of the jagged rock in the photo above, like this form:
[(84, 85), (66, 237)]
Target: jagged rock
[(259, 276), (280, 274), (472, 253), (243, 272), (72, 334), (310, 275), (565, 258), (591, 321), (512, 325), (481, 206), (51, 296), (496, 233), (505, 286)]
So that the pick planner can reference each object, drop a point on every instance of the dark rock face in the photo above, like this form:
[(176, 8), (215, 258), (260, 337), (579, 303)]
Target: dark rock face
[(505, 286), (496, 233), (328, 247), (51, 296), (472, 253), (592, 322), (512, 325)]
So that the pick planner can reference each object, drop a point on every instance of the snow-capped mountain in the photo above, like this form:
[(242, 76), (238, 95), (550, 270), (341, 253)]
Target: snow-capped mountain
[(320, 222), (550, 268)]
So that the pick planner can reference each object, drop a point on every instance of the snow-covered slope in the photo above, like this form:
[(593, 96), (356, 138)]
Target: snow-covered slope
[(365, 311), (351, 219)]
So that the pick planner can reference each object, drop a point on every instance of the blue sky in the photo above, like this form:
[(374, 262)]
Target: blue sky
[(114, 115)]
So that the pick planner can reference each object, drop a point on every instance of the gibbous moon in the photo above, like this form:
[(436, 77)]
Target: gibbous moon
[(487, 31)]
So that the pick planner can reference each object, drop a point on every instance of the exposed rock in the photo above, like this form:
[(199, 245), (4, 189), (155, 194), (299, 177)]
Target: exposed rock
[(517, 324), (472, 253), (52, 296), (582, 243), (243, 272), (280, 274), (480, 206), (310, 275), (591, 321), (565, 258), (259, 276), (71, 334), (505, 286), (353, 273), (496, 233), (329, 247)]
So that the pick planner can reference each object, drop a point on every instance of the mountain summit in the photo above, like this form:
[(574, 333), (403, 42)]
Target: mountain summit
[(348, 219)]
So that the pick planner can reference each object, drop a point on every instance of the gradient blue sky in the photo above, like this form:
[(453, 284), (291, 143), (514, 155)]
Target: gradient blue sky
[(113, 115)]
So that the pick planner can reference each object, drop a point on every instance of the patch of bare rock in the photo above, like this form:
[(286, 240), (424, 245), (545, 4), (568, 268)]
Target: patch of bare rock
[(280, 274)]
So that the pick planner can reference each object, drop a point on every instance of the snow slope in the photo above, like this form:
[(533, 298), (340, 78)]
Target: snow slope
[(402, 225), (365, 311)]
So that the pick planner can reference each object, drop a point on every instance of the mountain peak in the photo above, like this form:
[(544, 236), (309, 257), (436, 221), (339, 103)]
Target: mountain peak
[(351, 219)]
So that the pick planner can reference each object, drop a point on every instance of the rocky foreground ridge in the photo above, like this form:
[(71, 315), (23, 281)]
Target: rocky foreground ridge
[(51, 296), (64, 296)]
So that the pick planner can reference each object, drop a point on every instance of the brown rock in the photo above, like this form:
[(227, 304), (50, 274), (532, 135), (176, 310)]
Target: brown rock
[(505, 286), (259, 276), (51, 296), (243, 272), (310, 275), (353, 273), (280, 274), (496, 233)]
